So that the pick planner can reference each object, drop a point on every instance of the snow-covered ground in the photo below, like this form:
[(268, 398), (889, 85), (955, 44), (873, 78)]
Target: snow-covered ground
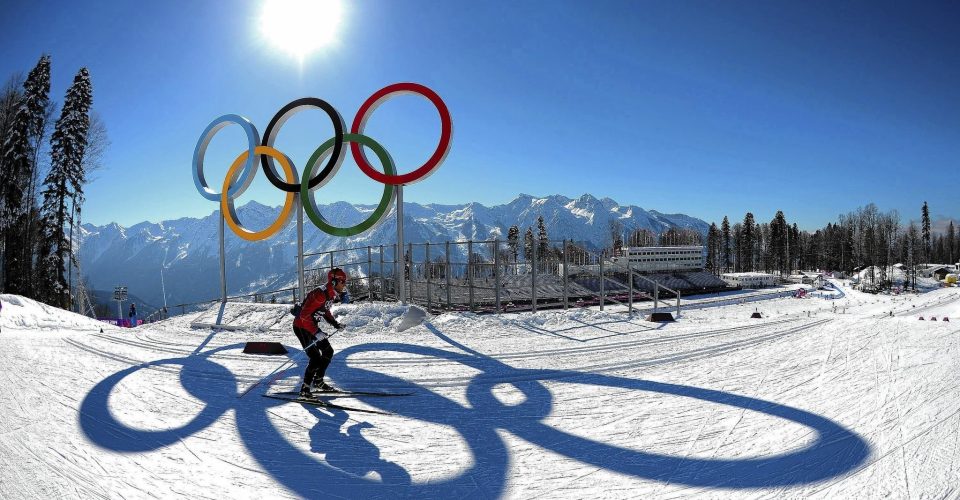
[(828, 396)]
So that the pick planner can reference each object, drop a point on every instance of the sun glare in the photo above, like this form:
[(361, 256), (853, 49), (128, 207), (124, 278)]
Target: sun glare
[(300, 27)]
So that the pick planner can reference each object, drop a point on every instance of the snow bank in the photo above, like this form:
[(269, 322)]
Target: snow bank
[(358, 317), (22, 313), (897, 275)]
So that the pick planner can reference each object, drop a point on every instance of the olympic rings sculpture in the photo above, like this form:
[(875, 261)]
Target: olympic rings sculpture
[(241, 173)]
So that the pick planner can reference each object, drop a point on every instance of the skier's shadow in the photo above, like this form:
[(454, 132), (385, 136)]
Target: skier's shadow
[(346, 450)]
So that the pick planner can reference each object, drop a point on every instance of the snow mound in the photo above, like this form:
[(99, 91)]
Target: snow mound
[(362, 317), (897, 275), (22, 313)]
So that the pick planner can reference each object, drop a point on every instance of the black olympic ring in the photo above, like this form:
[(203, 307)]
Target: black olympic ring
[(292, 108)]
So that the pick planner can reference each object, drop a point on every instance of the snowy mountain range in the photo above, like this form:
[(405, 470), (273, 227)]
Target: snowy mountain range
[(187, 249)]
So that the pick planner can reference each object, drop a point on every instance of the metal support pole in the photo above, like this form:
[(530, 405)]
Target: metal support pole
[(223, 265), (427, 259), (630, 285), (470, 271), (408, 275), (301, 283), (603, 295), (400, 270), (656, 295), (370, 272), (533, 277), (496, 273), (447, 274), (566, 275), (383, 283), (223, 273)]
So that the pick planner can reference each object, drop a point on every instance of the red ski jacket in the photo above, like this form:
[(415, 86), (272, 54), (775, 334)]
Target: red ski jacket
[(316, 304)]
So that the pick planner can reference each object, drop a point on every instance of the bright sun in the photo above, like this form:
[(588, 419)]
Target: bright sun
[(300, 27)]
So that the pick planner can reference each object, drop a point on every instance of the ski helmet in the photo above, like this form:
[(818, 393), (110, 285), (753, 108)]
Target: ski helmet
[(336, 275)]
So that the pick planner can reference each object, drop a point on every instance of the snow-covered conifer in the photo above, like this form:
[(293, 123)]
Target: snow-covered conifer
[(63, 188), (17, 164)]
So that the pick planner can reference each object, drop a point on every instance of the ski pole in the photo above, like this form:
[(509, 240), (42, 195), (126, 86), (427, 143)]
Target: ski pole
[(281, 367)]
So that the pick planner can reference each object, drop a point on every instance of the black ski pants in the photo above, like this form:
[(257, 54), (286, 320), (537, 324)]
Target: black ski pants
[(320, 355)]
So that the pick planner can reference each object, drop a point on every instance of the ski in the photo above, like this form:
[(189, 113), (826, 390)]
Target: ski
[(346, 394), (323, 404)]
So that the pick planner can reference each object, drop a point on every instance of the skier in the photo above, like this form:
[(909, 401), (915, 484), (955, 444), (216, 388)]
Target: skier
[(314, 341), (133, 315)]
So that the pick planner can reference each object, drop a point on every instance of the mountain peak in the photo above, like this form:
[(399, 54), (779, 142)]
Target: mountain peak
[(188, 248)]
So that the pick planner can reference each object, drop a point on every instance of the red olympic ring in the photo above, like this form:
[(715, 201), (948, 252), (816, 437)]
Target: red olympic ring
[(371, 104)]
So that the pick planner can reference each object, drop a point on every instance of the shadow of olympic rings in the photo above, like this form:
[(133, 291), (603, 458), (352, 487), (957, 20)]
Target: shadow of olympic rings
[(834, 451)]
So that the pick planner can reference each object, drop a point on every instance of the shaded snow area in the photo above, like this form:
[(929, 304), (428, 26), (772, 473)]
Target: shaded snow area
[(839, 394)]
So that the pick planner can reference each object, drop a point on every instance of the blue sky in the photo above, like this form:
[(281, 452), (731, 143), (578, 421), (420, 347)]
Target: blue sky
[(703, 108)]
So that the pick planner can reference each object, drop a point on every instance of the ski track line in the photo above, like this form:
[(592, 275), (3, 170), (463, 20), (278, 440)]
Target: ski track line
[(517, 355), (640, 343), (700, 353), (70, 478), (184, 352), (163, 368), (695, 354), (666, 483), (839, 370), (899, 407), (743, 412), (593, 349), (895, 449), (937, 303), (826, 359)]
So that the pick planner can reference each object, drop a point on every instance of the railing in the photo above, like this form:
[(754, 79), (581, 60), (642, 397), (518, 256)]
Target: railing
[(478, 276)]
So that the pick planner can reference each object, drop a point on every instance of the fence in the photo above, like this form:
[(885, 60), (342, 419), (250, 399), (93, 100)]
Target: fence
[(484, 276)]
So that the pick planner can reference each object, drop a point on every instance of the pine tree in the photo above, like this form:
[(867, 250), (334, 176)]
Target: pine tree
[(616, 235), (925, 231), (779, 242), (749, 240), (9, 103), (642, 238), (913, 242), (528, 244), (951, 244), (738, 256), (513, 241), (543, 247), (712, 247), (794, 249), (18, 163), (725, 233), (63, 189)]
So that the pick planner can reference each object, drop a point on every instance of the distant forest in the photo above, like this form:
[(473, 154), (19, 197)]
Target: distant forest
[(865, 237)]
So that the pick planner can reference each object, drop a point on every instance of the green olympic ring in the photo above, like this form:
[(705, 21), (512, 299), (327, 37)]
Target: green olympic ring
[(310, 205)]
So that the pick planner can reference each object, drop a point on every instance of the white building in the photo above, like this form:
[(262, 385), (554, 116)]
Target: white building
[(659, 259), (749, 280)]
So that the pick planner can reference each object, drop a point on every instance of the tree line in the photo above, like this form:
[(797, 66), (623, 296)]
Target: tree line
[(41, 182), (864, 238)]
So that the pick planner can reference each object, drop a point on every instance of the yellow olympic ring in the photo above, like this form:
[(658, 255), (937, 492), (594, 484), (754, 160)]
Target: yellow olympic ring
[(226, 202)]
